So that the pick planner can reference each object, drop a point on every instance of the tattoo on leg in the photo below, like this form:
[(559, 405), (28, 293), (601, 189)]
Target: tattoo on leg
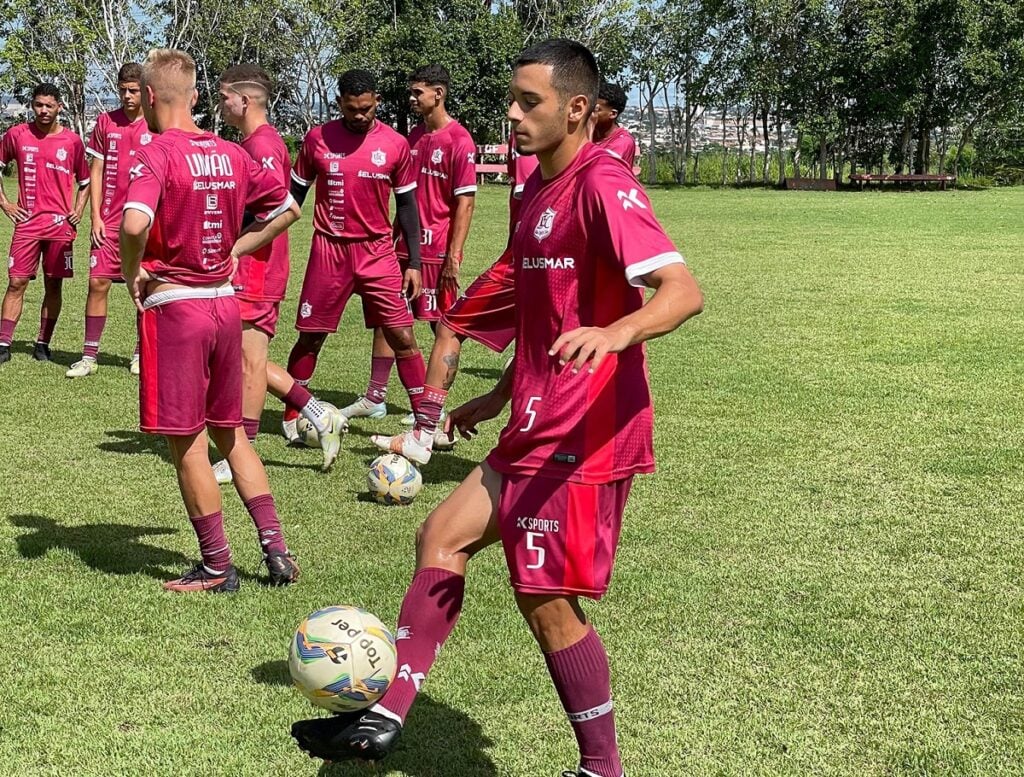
[(452, 362)]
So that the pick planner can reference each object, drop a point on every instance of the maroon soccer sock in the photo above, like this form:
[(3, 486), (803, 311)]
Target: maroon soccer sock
[(268, 525), (93, 332), (380, 374), (301, 366), (431, 406), (213, 543), (46, 327), (429, 611), (252, 428), (581, 677), (299, 399), (7, 331), (412, 371)]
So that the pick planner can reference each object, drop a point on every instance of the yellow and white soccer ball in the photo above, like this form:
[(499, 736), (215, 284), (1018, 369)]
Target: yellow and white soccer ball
[(342, 658), (307, 432), (393, 480)]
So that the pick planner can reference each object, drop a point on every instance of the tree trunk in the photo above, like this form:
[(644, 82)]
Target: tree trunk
[(766, 162), (781, 150), (725, 148), (904, 145), (822, 157), (652, 154), (943, 148), (796, 154), (965, 137), (753, 144)]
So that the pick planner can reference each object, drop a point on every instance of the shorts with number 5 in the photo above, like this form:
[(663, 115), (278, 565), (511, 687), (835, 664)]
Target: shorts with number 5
[(560, 537)]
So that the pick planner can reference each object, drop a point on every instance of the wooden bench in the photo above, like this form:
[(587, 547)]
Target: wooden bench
[(901, 178)]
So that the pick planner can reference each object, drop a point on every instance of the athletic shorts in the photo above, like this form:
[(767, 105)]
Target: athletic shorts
[(560, 537), (260, 315), (105, 261), (435, 299), (486, 312), (339, 268), (57, 256), (190, 360)]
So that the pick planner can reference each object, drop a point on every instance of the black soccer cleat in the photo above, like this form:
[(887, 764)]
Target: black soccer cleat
[(282, 567), (367, 736), (41, 353), (5, 353)]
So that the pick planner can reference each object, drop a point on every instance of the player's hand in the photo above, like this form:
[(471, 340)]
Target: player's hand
[(589, 344), (137, 287), (466, 417), (450, 271), (98, 233), (412, 284), (74, 219), (15, 212)]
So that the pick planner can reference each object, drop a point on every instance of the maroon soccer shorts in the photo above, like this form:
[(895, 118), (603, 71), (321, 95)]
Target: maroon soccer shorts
[(260, 315), (339, 268), (486, 312), (57, 256), (105, 261), (560, 537), (435, 299), (190, 361)]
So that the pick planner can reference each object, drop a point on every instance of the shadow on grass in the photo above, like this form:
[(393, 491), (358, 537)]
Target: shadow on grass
[(131, 443), (492, 373), (106, 547), (438, 741), (67, 358)]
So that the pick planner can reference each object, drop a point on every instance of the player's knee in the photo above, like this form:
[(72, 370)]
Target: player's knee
[(17, 286), (99, 285), (312, 341), (402, 340), (550, 617)]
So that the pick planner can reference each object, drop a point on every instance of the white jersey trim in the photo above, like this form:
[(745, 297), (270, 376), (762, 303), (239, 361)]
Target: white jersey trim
[(593, 712), (140, 206), (94, 153), (465, 190), (278, 210), (84, 182), (188, 292), (404, 189), (517, 192), (301, 181), (635, 272)]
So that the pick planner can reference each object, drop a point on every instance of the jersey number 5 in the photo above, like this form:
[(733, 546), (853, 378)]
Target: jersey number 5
[(531, 413), (533, 547)]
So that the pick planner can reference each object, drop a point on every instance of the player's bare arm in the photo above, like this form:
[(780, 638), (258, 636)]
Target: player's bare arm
[(82, 199), (408, 217), (464, 205), (12, 210), (98, 231), (134, 233), (676, 298), (466, 417)]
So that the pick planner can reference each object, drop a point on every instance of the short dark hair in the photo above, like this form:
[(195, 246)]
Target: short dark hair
[(613, 94), (246, 72), (356, 82), (46, 90), (130, 72), (573, 67), (431, 75)]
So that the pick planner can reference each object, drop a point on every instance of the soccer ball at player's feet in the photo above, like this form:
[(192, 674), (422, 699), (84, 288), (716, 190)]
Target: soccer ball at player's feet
[(364, 408), (306, 433), (415, 445), (364, 735), (342, 658), (393, 480)]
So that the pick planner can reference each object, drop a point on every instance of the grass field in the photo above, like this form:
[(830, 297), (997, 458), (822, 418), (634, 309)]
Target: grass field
[(824, 577)]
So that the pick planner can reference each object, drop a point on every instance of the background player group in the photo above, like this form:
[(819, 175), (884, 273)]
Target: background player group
[(583, 245)]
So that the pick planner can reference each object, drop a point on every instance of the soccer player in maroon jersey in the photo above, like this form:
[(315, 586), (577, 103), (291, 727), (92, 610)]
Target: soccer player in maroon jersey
[(356, 163), (485, 313), (261, 280), (51, 161), (444, 154), (181, 240), (116, 137), (554, 489), (611, 102)]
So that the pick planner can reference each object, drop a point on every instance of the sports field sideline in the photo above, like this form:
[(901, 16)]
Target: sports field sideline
[(824, 576)]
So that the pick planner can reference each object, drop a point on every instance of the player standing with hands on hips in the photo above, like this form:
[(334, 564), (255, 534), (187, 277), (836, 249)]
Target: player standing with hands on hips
[(554, 489)]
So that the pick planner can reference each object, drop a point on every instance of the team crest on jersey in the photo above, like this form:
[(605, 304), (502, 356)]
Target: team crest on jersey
[(306, 310), (379, 158), (144, 138), (437, 156), (543, 228), (62, 154)]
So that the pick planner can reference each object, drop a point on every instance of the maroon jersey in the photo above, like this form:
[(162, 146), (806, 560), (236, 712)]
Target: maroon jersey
[(195, 187), (114, 140), (620, 143), (446, 165), (585, 240), (520, 168), (354, 177), (50, 168), (264, 276)]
